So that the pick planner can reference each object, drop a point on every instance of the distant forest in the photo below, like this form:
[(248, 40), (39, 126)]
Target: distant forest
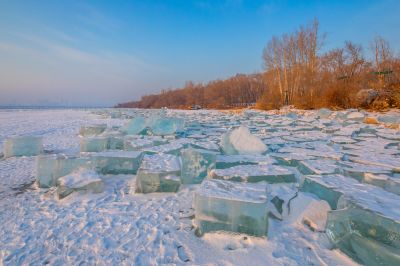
[(297, 73)]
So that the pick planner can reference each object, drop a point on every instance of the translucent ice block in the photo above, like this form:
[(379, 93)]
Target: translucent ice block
[(255, 173), (369, 238), (51, 167), (158, 173), (231, 206), (23, 146), (136, 126), (80, 180), (101, 143), (195, 165), (117, 162), (92, 130), (166, 125)]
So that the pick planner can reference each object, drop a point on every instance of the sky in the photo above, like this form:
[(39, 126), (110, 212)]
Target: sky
[(99, 53)]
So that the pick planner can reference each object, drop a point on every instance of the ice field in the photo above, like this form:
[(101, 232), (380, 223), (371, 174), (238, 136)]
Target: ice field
[(169, 187)]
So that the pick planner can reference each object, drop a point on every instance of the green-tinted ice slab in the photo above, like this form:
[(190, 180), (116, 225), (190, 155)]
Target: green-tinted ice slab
[(101, 143), (117, 162), (158, 173), (361, 210), (51, 167), (369, 238), (255, 173), (196, 164), (23, 146), (231, 206), (94, 144)]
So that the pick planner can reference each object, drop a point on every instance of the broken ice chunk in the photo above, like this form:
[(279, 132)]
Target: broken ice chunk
[(231, 206), (241, 141), (51, 167), (118, 162), (158, 173), (92, 130), (196, 164), (23, 146), (255, 173), (81, 180)]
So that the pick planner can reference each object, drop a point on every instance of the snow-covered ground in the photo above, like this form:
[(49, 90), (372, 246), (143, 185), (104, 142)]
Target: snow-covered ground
[(119, 226)]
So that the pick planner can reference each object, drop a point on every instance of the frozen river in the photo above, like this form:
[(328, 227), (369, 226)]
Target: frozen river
[(319, 161)]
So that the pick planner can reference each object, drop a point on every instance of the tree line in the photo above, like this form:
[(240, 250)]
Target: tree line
[(298, 72)]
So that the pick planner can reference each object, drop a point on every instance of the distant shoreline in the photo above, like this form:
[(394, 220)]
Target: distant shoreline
[(47, 107)]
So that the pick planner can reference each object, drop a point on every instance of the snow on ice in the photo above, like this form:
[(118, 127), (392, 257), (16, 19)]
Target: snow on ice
[(169, 187)]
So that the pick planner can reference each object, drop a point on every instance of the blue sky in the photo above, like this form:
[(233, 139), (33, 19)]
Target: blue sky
[(98, 53)]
